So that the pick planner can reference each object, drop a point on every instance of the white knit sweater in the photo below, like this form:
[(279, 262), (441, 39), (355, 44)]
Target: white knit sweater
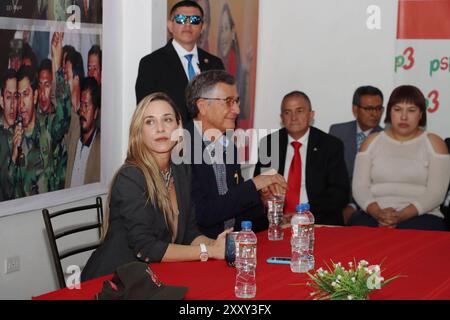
[(396, 174)]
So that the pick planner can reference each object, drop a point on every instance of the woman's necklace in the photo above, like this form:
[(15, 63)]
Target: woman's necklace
[(166, 175)]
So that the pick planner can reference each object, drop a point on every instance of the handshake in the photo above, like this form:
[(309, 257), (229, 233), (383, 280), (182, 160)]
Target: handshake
[(270, 183)]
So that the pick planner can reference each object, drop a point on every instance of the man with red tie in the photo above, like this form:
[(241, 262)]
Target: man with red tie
[(311, 160)]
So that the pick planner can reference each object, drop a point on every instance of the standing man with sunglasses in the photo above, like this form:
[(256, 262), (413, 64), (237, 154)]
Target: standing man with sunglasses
[(367, 109), (172, 67)]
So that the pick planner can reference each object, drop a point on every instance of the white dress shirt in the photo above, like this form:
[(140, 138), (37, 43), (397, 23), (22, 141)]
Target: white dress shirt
[(182, 52), (80, 163)]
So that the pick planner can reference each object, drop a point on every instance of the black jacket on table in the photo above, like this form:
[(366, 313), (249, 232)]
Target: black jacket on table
[(327, 181), (162, 71), (137, 229), (242, 201)]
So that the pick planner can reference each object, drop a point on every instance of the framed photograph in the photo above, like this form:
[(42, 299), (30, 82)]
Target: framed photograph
[(50, 104)]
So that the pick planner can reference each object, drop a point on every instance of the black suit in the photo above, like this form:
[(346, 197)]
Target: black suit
[(163, 71), (137, 229), (242, 201), (327, 182)]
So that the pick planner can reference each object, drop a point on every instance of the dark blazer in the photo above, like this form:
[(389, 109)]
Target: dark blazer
[(242, 202), (327, 181), (347, 133), (137, 229), (163, 71)]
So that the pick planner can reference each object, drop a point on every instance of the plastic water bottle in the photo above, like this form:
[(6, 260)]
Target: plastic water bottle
[(311, 236), (245, 286), (301, 239), (275, 205)]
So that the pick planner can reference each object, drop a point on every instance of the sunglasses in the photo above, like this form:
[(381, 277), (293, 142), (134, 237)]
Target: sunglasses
[(181, 19)]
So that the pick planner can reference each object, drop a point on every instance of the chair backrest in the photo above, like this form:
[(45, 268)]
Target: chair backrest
[(54, 235), (445, 207)]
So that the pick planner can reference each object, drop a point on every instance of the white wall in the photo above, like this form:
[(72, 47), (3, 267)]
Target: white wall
[(323, 48)]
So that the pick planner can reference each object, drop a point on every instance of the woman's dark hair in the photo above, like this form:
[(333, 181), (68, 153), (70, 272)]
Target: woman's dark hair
[(407, 94)]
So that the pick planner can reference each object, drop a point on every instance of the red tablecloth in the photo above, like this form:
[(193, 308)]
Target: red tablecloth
[(423, 257)]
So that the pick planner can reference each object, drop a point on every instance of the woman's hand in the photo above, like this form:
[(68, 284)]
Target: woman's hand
[(386, 217)]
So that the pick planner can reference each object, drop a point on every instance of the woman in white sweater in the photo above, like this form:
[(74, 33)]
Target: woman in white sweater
[(401, 175)]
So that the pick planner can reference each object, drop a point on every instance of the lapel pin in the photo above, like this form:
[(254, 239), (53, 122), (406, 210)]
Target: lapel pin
[(315, 149), (206, 61)]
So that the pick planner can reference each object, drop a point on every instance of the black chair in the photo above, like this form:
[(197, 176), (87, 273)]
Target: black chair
[(54, 235), (445, 207)]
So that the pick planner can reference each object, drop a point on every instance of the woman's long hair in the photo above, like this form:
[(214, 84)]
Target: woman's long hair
[(139, 156)]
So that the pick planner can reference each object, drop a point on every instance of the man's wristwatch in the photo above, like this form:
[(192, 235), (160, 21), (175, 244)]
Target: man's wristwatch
[(203, 253)]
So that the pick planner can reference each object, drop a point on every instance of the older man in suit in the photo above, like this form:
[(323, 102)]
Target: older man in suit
[(311, 161), (170, 68), (221, 196), (367, 109)]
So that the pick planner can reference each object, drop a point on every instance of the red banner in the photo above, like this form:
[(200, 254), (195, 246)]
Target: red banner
[(424, 19)]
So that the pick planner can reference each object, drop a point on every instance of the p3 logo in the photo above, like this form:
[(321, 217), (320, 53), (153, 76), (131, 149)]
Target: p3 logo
[(405, 61)]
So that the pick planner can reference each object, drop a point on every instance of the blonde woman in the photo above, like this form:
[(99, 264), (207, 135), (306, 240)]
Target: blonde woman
[(150, 212)]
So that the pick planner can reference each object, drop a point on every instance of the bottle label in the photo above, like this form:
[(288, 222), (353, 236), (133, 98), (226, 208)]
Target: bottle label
[(247, 250), (303, 228)]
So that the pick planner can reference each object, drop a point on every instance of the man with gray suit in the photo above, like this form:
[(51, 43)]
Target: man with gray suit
[(367, 109)]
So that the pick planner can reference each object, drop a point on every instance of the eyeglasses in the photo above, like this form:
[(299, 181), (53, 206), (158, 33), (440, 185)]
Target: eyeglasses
[(181, 19), (372, 108), (229, 100)]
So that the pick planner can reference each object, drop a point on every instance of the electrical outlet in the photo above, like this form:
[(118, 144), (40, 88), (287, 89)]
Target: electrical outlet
[(12, 265)]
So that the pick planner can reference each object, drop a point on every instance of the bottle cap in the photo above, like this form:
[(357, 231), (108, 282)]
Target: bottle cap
[(246, 224), (302, 207)]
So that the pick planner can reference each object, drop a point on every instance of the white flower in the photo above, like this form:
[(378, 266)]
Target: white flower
[(374, 282), (363, 263), (354, 279), (339, 277), (350, 297), (374, 268), (350, 264)]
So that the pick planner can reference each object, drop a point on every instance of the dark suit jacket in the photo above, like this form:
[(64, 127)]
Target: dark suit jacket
[(347, 133), (327, 181), (242, 201), (163, 71), (137, 229)]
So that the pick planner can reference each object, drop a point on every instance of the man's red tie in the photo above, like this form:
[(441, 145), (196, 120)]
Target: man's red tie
[(294, 180), (86, 8)]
